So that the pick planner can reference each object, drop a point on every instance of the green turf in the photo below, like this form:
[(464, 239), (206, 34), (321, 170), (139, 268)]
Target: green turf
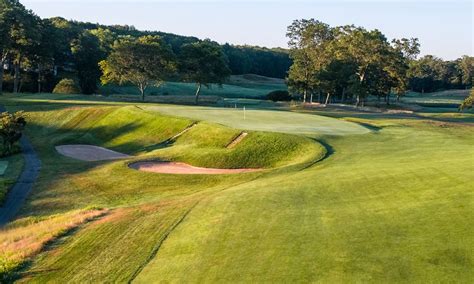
[(243, 86), (266, 120), (391, 201), (395, 206)]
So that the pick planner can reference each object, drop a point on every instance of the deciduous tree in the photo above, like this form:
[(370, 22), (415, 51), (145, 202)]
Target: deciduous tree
[(143, 62), (204, 63), (87, 55)]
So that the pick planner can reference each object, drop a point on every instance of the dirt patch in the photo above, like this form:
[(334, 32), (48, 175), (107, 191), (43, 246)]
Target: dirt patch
[(237, 140), (182, 168), (89, 153)]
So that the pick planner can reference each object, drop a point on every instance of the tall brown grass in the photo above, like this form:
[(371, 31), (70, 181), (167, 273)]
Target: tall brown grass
[(27, 237)]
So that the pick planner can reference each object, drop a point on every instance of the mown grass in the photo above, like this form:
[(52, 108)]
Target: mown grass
[(392, 206), (26, 237), (265, 120), (145, 206), (392, 201), (205, 145), (243, 86)]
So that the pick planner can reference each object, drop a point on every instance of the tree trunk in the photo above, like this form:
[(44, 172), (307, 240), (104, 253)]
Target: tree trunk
[(343, 99), (142, 89), (305, 92), (357, 100), (1, 77), (39, 78), (327, 98), (16, 78), (398, 98), (311, 98), (198, 91)]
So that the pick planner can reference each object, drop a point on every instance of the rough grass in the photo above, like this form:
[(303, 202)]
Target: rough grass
[(23, 239), (7, 180)]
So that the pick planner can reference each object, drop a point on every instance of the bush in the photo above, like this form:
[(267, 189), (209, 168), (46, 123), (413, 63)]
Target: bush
[(279, 95), (66, 86)]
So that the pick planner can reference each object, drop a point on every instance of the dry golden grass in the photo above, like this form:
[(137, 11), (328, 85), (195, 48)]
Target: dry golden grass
[(19, 243)]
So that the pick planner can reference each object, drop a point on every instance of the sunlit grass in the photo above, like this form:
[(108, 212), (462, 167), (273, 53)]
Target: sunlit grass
[(26, 237)]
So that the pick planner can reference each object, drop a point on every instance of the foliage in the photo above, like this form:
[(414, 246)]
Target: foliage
[(11, 129), (468, 102), (144, 62), (87, 53), (257, 60), (203, 63), (308, 41), (67, 86), (279, 95), (430, 73)]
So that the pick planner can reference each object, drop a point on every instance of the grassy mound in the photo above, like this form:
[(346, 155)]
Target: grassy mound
[(205, 146), (133, 131), (124, 129)]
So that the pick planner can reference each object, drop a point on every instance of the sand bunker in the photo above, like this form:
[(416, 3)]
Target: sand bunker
[(89, 153), (182, 168)]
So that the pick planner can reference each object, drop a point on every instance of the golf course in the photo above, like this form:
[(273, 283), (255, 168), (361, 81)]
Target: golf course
[(237, 142), (339, 196)]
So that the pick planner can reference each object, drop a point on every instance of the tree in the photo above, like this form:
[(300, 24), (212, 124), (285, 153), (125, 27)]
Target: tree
[(106, 39), (18, 33), (143, 62), (410, 48), (466, 67), (87, 55), (24, 35), (468, 102), (368, 50), (6, 16), (11, 128), (204, 63), (42, 58), (307, 42)]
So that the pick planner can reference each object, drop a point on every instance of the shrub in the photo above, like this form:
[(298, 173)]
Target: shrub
[(66, 86), (279, 95), (11, 128)]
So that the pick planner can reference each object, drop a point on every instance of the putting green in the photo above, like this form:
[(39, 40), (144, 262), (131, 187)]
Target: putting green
[(266, 120)]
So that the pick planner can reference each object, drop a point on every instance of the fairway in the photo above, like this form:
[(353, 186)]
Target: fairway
[(267, 120)]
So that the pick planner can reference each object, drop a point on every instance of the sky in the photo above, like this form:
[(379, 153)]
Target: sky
[(444, 28)]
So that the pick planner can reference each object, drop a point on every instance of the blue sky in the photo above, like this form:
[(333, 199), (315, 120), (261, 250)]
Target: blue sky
[(445, 28)]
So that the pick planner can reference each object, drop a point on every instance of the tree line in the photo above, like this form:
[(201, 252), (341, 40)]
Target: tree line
[(351, 63), (345, 63), (35, 53)]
